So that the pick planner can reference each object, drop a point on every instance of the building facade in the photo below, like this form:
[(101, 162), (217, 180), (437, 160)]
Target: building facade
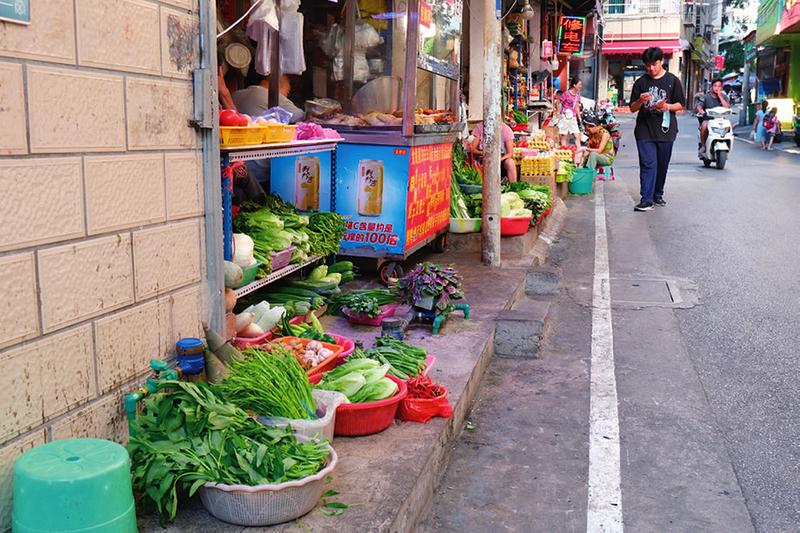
[(102, 262), (778, 42)]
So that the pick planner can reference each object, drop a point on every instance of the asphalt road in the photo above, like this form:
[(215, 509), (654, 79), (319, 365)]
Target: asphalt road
[(734, 232), (706, 368)]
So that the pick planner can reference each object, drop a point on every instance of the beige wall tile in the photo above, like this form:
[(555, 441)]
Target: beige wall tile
[(21, 392), (186, 313), (119, 35), (184, 175), (49, 37), (91, 113), (67, 370), (126, 341), (123, 191), (185, 4), (9, 454), (180, 43), (47, 195), (166, 257), (19, 315), (158, 115), (102, 420), (13, 132), (80, 281)]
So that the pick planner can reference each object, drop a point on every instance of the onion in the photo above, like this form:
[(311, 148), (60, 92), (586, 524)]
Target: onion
[(252, 330), (243, 320), (230, 300)]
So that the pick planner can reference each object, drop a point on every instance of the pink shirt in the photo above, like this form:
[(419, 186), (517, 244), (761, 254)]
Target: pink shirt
[(570, 101), (505, 133)]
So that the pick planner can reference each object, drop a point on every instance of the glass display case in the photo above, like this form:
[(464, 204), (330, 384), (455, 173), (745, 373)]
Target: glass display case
[(387, 67)]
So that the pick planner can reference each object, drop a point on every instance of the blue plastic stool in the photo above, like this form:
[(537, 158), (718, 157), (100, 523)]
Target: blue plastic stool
[(605, 173)]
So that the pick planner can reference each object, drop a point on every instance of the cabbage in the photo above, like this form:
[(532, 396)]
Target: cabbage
[(526, 213), (513, 199)]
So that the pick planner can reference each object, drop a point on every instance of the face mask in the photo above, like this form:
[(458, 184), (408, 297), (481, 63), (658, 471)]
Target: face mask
[(665, 121)]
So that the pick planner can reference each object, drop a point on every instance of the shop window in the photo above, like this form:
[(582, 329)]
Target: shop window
[(615, 7)]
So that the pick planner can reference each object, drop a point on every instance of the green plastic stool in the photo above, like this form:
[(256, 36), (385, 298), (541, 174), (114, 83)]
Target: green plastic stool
[(74, 485)]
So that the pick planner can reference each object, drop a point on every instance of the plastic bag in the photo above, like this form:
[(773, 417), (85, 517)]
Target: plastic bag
[(322, 427), (421, 410), (293, 59)]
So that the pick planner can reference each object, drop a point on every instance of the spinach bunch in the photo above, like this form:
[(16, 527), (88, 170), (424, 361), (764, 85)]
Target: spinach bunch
[(189, 435)]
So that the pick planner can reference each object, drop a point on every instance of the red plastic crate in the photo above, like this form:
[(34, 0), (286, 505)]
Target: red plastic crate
[(359, 419)]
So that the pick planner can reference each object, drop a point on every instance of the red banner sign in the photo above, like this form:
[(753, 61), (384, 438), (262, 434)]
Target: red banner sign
[(547, 48), (719, 63), (425, 14), (428, 207), (571, 32), (790, 15)]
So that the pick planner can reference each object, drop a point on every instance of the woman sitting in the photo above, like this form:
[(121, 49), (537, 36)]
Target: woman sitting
[(600, 149)]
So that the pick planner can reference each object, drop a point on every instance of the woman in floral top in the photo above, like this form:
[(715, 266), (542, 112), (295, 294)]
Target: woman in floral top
[(600, 151)]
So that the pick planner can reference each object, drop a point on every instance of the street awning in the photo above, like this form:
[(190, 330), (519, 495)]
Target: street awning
[(669, 46)]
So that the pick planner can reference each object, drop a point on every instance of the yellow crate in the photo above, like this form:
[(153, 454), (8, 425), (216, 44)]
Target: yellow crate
[(278, 133), (240, 135), (564, 155)]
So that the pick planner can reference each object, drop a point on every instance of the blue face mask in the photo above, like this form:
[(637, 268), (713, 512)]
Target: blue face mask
[(665, 121)]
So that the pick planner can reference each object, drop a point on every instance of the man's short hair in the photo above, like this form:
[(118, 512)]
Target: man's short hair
[(652, 54), (715, 80)]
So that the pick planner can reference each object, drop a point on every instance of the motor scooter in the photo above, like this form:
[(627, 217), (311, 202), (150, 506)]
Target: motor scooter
[(719, 142)]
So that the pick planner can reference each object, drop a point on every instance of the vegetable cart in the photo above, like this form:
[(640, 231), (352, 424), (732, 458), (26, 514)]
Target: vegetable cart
[(398, 116), (291, 157)]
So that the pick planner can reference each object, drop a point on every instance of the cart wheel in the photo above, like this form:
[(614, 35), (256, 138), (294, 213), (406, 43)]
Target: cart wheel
[(439, 244), (389, 272)]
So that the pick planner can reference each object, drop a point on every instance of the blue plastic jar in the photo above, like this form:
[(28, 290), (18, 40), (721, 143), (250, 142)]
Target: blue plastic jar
[(190, 355)]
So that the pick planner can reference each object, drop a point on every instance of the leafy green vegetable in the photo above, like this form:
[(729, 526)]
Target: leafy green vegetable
[(188, 435), (353, 299), (270, 384), (463, 172), (325, 231)]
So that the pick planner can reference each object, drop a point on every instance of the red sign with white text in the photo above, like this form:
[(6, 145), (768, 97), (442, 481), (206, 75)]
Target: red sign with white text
[(428, 204), (547, 49), (425, 14), (719, 63)]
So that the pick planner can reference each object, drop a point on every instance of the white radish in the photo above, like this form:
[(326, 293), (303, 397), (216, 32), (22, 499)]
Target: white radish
[(252, 330), (242, 321)]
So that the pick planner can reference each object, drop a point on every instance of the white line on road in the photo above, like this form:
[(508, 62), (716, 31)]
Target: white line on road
[(604, 509)]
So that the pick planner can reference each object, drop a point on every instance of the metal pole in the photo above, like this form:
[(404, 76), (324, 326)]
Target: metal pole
[(492, 119), (743, 117)]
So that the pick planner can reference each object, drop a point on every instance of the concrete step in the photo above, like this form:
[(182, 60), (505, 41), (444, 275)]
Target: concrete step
[(542, 281), (522, 329)]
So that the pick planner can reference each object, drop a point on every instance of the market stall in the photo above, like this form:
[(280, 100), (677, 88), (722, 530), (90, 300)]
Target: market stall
[(395, 77)]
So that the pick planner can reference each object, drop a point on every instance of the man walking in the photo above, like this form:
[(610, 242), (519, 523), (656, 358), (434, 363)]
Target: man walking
[(657, 97)]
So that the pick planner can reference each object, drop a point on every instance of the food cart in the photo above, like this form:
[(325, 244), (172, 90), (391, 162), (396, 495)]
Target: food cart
[(393, 80)]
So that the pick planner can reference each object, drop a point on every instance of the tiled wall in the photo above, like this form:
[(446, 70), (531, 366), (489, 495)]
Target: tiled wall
[(101, 227)]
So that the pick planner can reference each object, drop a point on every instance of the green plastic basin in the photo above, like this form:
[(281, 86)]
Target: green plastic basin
[(74, 485)]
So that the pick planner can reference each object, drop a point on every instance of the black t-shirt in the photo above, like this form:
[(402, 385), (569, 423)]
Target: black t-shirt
[(648, 121)]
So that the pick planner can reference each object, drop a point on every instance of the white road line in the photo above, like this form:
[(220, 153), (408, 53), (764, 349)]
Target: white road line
[(604, 510)]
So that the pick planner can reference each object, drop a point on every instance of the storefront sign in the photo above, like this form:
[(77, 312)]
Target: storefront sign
[(769, 15), (547, 49), (791, 14), (425, 14), (571, 32), (18, 11), (719, 63), (428, 192)]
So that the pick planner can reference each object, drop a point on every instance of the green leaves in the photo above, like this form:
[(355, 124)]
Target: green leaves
[(218, 443)]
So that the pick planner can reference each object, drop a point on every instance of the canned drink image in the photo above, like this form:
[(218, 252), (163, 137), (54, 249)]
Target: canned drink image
[(370, 187), (306, 183)]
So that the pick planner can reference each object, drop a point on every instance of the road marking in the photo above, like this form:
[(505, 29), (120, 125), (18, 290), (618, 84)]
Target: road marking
[(604, 509)]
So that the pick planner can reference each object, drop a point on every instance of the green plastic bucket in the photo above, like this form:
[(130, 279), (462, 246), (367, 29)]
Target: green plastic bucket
[(74, 485), (582, 181)]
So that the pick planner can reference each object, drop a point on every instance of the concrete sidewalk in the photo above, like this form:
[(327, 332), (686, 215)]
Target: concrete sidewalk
[(388, 479)]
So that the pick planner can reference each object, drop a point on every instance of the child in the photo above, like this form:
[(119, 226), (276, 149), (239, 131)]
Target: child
[(772, 125)]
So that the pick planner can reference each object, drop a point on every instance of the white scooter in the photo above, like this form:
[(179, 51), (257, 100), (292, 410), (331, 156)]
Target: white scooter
[(719, 142)]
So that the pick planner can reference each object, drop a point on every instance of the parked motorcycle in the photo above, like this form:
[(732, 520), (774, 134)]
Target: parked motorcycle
[(719, 142)]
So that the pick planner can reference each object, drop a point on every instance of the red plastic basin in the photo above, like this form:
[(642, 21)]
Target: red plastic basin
[(347, 347), (510, 226), (359, 419), (246, 342), (360, 318)]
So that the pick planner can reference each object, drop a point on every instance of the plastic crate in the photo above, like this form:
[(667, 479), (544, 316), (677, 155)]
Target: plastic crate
[(358, 419), (278, 133), (279, 260), (325, 365), (240, 135)]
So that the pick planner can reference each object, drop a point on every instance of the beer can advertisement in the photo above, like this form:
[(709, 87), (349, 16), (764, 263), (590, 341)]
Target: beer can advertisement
[(304, 181), (391, 197), (371, 183)]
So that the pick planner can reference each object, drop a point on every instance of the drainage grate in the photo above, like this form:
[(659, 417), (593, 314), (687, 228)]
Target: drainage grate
[(641, 292)]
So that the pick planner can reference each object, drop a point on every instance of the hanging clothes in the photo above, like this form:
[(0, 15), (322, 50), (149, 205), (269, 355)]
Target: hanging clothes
[(263, 19), (293, 58)]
